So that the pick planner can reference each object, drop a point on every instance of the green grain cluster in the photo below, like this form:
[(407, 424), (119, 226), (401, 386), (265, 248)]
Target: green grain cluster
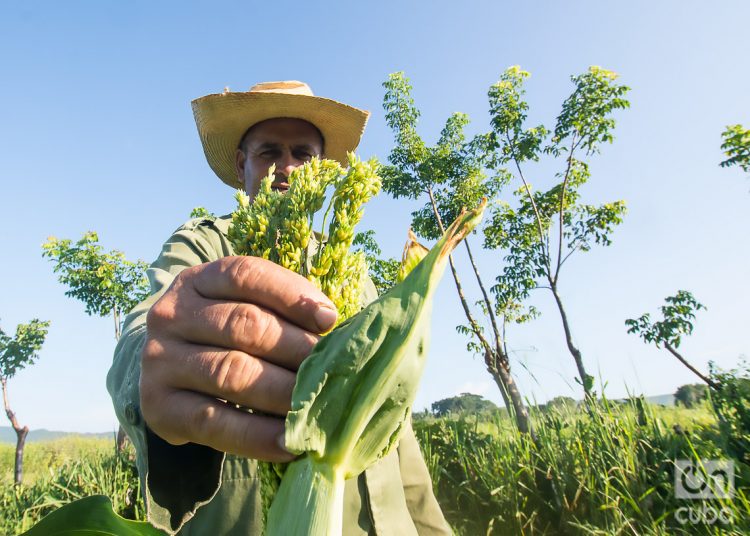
[(280, 226)]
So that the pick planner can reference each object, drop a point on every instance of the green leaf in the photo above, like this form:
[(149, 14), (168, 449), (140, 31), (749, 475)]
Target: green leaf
[(88, 517)]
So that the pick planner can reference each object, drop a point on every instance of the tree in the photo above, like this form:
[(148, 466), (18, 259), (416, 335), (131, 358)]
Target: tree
[(736, 147), (106, 282), (677, 320), (383, 272), (561, 403), (463, 404), (15, 354), (202, 212), (690, 395), (548, 226), (451, 178)]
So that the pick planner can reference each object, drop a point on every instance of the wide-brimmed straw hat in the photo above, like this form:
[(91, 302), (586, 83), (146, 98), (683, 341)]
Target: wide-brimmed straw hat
[(223, 118)]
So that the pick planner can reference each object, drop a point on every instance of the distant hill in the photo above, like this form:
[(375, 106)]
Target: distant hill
[(8, 435), (663, 400), (659, 400)]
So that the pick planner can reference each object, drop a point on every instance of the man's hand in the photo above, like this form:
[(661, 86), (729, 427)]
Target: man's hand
[(226, 333)]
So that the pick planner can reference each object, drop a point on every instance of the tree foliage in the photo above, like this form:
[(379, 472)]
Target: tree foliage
[(677, 321), (202, 212), (731, 401), (690, 395), (451, 175), (447, 173), (736, 147), (561, 403), (543, 228), (383, 272), (463, 404), (21, 349), (105, 281), (16, 352)]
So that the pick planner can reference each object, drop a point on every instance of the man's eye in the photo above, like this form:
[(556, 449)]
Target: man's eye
[(268, 155), (303, 155)]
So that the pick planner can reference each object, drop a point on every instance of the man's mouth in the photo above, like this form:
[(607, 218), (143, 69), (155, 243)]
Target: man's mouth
[(280, 186)]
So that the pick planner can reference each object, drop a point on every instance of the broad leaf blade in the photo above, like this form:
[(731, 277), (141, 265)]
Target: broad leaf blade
[(90, 516)]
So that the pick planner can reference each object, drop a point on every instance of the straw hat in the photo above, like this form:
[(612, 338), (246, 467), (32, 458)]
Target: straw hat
[(223, 118)]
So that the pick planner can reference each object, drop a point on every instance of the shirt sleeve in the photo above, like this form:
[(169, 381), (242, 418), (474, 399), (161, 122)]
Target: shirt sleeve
[(175, 480), (420, 499)]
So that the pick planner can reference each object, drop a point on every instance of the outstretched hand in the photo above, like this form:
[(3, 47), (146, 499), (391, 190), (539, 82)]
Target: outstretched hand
[(229, 333)]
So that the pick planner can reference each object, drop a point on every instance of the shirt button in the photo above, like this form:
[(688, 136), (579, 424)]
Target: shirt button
[(132, 414)]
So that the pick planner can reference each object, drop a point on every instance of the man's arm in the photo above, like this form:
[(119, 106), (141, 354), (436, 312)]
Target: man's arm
[(217, 328)]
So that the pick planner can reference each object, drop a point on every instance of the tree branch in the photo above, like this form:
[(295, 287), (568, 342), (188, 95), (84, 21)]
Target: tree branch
[(474, 325), (488, 303), (690, 367), (11, 416), (562, 205), (533, 205)]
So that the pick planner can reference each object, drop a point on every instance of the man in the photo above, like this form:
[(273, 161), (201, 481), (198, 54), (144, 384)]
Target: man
[(221, 333)]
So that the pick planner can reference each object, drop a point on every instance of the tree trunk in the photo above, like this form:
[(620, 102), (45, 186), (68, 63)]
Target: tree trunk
[(587, 381), (20, 442), (122, 439), (500, 371), (21, 433), (694, 370)]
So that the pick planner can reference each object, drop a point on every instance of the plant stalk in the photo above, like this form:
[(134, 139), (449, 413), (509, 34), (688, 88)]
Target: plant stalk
[(312, 497)]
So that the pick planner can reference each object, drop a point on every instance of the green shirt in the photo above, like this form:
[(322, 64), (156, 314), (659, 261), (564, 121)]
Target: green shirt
[(196, 490)]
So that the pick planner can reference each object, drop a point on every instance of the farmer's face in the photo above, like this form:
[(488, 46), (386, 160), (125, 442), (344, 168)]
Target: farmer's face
[(285, 142)]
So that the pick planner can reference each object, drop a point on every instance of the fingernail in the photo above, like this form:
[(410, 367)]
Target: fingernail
[(325, 317)]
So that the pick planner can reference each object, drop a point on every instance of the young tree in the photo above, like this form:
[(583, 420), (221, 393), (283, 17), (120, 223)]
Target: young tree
[(15, 353), (451, 177), (736, 147), (106, 282), (678, 315), (548, 226)]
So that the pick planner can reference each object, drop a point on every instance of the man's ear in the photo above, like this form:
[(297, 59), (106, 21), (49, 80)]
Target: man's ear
[(239, 166)]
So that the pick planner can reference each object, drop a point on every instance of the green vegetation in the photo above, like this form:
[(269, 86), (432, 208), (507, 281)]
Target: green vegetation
[(62, 471), (16, 352), (463, 404), (678, 315), (614, 467), (691, 395), (612, 464), (736, 147)]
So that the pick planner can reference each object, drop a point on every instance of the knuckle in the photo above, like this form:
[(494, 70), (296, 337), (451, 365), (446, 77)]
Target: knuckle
[(203, 417), (247, 320), (246, 271), (160, 313), (152, 349), (236, 372)]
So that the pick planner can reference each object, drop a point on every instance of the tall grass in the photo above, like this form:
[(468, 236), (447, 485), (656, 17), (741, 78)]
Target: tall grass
[(61, 471), (610, 470)]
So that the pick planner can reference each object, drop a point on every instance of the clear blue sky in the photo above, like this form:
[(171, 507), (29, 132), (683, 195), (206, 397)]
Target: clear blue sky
[(97, 133)]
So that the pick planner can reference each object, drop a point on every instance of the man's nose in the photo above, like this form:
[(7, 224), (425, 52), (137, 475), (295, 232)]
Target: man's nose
[(286, 164)]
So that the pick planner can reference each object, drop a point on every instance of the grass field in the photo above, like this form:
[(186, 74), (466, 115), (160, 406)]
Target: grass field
[(60, 471), (605, 471)]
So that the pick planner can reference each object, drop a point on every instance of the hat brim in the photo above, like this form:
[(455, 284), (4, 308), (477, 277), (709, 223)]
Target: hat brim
[(223, 118)]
